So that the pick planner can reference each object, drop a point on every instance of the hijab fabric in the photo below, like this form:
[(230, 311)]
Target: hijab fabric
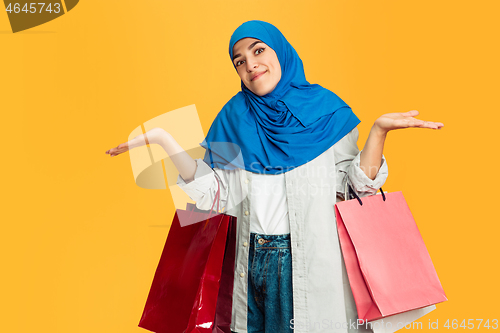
[(283, 129)]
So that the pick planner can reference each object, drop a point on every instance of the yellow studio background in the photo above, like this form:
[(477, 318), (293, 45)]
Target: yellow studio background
[(81, 241)]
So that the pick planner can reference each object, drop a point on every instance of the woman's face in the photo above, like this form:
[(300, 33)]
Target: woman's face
[(257, 65)]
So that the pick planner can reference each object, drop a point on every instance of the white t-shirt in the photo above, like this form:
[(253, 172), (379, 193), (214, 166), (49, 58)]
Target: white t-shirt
[(268, 212)]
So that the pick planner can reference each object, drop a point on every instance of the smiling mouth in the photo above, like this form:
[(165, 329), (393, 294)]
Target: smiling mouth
[(258, 75)]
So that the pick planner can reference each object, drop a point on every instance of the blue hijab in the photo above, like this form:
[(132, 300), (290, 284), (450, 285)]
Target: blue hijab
[(283, 129)]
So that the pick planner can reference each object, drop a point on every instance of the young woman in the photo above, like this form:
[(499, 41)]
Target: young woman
[(296, 148)]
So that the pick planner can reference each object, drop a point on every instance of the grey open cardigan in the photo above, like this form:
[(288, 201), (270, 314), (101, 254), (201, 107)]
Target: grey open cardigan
[(322, 297)]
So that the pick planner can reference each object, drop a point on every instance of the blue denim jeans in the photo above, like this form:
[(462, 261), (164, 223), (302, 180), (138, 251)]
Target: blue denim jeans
[(270, 298)]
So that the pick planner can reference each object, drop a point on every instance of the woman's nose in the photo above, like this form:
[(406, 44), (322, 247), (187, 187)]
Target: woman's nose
[(251, 65)]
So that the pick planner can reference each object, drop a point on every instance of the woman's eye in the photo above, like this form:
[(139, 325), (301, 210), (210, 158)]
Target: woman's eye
[(258, 51)]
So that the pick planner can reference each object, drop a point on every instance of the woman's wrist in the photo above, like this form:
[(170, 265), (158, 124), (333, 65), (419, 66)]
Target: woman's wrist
[(378, 132)]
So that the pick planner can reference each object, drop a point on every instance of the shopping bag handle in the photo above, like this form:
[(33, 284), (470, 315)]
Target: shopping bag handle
[(352, 194), (216, 199), (217, 195)]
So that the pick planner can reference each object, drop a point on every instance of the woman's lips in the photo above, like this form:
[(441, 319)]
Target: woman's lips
[(258, 75)]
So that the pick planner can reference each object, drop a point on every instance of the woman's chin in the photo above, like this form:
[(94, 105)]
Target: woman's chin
[(262, 92)]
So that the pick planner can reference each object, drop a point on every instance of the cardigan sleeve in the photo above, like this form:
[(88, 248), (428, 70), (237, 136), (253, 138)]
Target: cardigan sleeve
[(347, 163), (203, 188)]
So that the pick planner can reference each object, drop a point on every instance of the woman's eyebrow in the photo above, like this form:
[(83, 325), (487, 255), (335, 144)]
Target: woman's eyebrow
[(249, 48)]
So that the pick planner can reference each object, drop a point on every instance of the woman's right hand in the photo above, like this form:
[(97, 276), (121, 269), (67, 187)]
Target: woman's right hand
[(154, 135)]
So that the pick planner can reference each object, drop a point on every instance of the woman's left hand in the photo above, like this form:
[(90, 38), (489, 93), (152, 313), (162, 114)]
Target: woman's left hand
[(392, 121)]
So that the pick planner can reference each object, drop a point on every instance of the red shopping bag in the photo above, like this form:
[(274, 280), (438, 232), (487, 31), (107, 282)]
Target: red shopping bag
[(389, 268), (193, 284)]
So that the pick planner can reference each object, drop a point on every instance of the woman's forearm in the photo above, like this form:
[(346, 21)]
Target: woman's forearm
[(371, 156), (184, 163)]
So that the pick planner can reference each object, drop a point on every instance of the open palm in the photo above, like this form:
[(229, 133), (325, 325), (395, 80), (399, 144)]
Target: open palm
[(392, 121), (154, 135)]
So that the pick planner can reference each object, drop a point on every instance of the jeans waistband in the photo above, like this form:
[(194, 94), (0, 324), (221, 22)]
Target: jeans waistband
[(267, 241)]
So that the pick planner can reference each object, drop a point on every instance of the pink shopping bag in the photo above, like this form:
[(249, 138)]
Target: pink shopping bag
[(389, 268)]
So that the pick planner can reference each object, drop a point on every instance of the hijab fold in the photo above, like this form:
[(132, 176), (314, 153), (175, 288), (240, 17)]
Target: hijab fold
[(283, 129)]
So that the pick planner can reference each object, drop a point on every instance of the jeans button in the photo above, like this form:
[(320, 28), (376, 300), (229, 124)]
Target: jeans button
[(261, 241)]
